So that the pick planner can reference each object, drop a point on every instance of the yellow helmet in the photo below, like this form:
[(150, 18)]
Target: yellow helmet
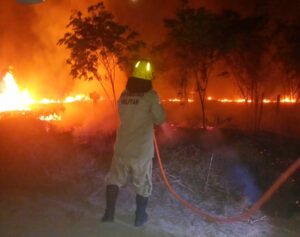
[(143, 70)]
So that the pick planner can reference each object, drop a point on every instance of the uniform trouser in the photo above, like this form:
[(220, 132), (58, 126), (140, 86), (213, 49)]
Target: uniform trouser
[(139, 171)]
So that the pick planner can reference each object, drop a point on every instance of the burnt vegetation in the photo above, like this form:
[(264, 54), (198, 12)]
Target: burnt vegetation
[(38, 157)]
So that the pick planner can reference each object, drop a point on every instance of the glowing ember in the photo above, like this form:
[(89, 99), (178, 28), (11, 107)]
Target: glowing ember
[(266, 101), (178, 100), (71, 99), (287, 100), (11, 98), (49, 101), (51, 117), (241, 101), (226, 100)]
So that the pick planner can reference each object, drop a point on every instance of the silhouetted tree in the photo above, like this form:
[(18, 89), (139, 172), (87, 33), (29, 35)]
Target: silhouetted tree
[(98, 44), (288, 55), (195, 37), (247, 60)]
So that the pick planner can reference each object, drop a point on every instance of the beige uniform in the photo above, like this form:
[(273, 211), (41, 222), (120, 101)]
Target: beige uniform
[(134, 148)]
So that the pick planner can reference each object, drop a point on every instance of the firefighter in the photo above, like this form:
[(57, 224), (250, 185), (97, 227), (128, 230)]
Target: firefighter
[(139, 111)]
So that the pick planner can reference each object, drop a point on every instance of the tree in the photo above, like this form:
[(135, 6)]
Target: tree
[(288, 55), (247, 60), (99, 44), (199, 39), (195, 37)]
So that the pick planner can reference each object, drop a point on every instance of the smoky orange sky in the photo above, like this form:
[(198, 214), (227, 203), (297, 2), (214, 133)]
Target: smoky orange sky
[(29, 35)]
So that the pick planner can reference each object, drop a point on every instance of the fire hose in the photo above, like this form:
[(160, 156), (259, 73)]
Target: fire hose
[(230, 219)]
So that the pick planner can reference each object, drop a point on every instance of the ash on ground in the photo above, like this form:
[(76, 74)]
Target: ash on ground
[(53, 184)]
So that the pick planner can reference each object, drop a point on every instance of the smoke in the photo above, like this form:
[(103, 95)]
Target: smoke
[(23, 48), (146, 17), (240, 177), (16, 34), (28, 43), (29, 35)]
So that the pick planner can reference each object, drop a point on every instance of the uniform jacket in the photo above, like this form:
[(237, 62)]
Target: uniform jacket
[(138, 112)]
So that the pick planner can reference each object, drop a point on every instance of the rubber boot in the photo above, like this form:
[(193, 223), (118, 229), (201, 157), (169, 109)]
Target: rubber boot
[(141, 216), (111, 197)]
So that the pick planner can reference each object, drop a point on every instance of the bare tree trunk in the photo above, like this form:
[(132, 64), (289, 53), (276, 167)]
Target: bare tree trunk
[(260, 114), (256, 106), (110, 70), (278, 103), (99, 79), (201, 94), (255, 113), (114, 93), (202, 100)]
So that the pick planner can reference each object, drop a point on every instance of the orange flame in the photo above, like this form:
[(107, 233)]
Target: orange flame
[(226, 100), (178, 100), (50, 117), (11, 98)]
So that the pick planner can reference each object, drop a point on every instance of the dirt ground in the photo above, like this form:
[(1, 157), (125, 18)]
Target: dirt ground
[(52, 184), (58, 215), (40, 216)]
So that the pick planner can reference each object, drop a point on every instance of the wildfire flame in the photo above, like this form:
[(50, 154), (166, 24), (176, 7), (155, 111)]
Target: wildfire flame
[(11, 98), (226, 100), (69, 99), (178, 100), (50, 117)]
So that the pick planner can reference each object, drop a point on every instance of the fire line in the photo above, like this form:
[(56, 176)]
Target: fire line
[(14, 99)]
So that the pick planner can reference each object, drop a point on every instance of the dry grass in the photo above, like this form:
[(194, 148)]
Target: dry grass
[(54, 162)]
